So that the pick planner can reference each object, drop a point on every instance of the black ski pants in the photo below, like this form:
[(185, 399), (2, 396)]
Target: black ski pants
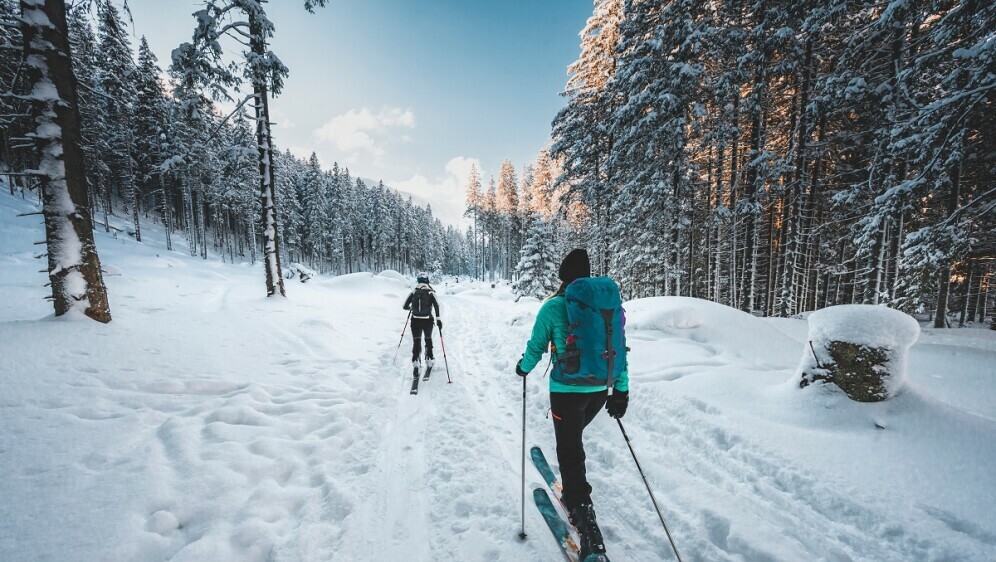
[(572, 412), (421, 329)]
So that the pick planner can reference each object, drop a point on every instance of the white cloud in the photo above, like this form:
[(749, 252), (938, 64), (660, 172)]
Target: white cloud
[(445, 191), (300, 152), (280, 120), (362, 130)]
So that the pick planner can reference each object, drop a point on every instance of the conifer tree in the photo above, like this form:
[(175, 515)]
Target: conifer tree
[(73, 265), (536, 272), (117, 78), (474, 205)]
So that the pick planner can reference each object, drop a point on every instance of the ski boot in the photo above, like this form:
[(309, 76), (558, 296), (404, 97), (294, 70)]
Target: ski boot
[(415, 367), (583, 519)]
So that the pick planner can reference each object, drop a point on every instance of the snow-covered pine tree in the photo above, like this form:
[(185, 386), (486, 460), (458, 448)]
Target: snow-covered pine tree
[(117, 78), (14, 115), (151, 120), (315, 208), (536, 272), (507, 208), (949, 137), (292, 226), (541, 189), (582, 141), (474, 200), (93, 127), (73, 265), (659, 74), (492, 228)]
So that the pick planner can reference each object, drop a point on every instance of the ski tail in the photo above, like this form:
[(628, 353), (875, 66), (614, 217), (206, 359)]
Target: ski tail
[(561, 532), (561, 526)]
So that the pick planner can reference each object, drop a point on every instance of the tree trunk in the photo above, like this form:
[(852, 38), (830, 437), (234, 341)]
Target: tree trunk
[(130, 168), (944, 284), (267, 177), (73, 264), (966, 296)]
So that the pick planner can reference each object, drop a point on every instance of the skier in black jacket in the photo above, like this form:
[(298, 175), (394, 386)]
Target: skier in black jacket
[(422, 302)]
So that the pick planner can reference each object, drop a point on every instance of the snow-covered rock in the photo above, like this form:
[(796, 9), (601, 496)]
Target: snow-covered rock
[(860, 348)]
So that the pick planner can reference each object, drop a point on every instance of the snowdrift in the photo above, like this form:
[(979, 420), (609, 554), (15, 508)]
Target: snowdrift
[(729, 332)]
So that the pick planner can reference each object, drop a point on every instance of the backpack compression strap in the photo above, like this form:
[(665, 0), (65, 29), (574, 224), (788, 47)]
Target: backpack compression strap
[(610, 352)]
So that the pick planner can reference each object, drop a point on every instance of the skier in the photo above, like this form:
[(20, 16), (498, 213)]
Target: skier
[(421, 302), (573, 403)]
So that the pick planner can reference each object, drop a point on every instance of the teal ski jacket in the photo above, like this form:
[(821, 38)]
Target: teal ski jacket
[(551, 327)]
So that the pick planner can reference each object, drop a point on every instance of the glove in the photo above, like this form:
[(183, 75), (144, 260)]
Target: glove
[(617, 402), (439, 323), (518, 369)]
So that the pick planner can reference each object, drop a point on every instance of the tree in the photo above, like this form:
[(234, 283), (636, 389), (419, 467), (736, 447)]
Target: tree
[(73, 264), (581, 139), (203, 58), (783, 157), (536, 271), (151, 122), (474, 204), (117, 79), (507, 209)]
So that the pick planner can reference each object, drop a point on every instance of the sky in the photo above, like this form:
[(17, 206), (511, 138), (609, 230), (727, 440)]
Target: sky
[(409, 91)]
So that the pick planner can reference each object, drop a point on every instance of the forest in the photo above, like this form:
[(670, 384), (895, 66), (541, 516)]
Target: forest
[(776, 157), (158, 148)]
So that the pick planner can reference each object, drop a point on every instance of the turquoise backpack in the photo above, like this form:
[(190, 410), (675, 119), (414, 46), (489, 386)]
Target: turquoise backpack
[(596, 340)]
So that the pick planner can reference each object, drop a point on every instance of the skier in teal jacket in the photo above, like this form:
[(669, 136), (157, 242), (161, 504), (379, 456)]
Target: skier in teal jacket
[(571, 406)]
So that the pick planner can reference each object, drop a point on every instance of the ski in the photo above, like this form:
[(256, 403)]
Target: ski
[(560, 527), (428, 371), (543, 466), (415, 381)]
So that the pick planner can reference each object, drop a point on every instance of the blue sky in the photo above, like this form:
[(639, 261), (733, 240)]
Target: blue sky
[(409, 91)]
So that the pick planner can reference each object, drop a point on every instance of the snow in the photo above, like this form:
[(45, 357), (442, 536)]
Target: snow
[(207, 422), (392, 274), (871, 326)]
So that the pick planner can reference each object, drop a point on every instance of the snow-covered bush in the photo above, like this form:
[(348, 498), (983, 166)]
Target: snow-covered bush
[(860, 348)]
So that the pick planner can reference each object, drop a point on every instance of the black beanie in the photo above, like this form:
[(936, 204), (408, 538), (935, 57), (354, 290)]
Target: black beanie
[(575, 266)]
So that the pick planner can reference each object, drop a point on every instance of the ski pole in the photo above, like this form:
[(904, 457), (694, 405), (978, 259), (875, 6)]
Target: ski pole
[(522, 531), (647, 484), (445, 362), (403, 336)]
